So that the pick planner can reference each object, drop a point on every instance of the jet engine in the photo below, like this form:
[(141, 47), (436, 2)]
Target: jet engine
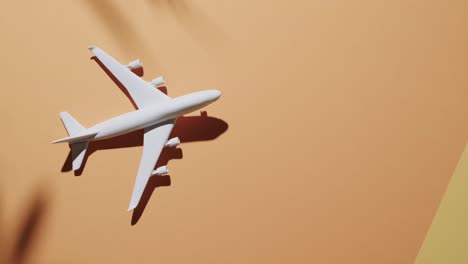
[(173, 142), (160, 171), (157, 81), (136, 64)]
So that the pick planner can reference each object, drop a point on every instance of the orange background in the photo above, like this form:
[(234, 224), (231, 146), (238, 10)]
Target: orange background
[(345, 120)]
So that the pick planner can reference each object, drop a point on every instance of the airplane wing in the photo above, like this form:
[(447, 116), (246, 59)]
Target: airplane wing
[(142, 92), (154, 140)]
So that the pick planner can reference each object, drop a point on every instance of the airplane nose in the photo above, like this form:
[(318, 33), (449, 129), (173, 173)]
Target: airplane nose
[(215, 94)]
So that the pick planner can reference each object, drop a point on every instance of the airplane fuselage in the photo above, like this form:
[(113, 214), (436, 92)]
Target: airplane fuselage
[(150, 116)]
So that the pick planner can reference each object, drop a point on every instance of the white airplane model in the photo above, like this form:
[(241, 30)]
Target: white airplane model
[(156, 114)]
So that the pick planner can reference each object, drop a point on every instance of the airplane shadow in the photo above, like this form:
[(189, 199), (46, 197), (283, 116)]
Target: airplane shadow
[(187, 128)]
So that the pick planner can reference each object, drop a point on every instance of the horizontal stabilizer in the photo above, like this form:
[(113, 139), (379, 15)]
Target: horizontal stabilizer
[(78, 153), (72, 126)]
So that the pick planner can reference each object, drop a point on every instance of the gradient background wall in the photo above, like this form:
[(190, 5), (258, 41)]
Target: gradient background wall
[(346, 121)]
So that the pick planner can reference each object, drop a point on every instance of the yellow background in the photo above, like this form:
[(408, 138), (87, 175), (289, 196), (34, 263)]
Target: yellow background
[(346, 120), (447, 239)]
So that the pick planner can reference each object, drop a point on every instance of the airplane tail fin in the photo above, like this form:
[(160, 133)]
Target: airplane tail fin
[(72, 126), (78, 149)]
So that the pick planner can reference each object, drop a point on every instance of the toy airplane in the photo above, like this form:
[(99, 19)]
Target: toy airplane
[(156, 114)]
